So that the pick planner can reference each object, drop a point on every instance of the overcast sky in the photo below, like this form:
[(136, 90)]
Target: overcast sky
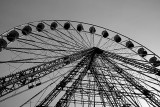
[(137, 19)]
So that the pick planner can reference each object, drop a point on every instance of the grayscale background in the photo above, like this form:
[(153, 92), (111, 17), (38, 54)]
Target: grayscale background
[(137, 19)]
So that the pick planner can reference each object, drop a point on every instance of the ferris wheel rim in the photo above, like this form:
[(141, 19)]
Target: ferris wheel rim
[(13, 28), (88, 32)]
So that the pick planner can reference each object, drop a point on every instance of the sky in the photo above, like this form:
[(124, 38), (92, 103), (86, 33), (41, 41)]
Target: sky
[(137, 19)]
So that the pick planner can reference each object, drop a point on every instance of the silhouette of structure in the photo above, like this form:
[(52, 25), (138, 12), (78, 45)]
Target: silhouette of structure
[(94, 66)]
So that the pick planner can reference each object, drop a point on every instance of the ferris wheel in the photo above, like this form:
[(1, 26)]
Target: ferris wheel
[(63, 63)]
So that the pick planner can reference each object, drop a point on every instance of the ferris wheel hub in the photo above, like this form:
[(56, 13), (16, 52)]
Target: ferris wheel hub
[(97, 50)]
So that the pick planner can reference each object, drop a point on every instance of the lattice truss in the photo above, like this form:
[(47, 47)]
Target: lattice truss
[(57, 63)]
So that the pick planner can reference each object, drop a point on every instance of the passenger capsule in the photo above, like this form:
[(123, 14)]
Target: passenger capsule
[(156, 63), (117, 38), (66, 26), (92, 30), (129, 44), (153, 59), (26, 30), (142, 52), (12, 35), (3, 43), (80, 27), (40, 27), (97, 50), (53, 26), (105, 34)]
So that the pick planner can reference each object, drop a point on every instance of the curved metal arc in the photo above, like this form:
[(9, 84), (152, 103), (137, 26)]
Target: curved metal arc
[(81, 23), (102, 28)]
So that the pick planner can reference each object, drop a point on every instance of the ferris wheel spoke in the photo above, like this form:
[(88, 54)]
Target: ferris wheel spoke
[(25, 49), (74, 35), (57, 41), (70, 38), (99, 41), (46, 42), (57, 46), (45, 47), (148, 85), (102, 46), (17, 51), (80, 36), (128, 94), (152, 80), (81, 43), (119, 49), (112, 44), (88, 39), (133, 63), (91, 40), (138, 86), (50, 50), (99, 68), (10, 48), (74, 46), (25, 60), (61, 34)]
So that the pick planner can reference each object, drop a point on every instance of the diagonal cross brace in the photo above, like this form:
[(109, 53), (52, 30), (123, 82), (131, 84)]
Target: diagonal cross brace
[(64, 101), (15, 81), (135, 83), (50, 97)]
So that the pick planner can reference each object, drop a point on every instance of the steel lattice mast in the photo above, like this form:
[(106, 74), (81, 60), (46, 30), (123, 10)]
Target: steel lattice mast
[(12, 82)]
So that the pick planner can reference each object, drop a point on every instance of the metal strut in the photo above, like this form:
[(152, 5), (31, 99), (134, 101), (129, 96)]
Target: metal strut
[(113, 93), (120, 95), (132, 62), (50, 97), (15, 81), (64, 101), (106, 88), (135, 83)]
